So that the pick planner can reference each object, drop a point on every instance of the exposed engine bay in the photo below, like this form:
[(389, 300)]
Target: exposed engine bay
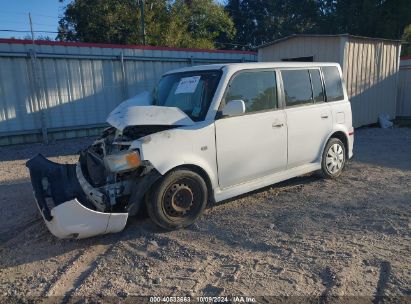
[(96, 195), (113, 180), (108, 183)]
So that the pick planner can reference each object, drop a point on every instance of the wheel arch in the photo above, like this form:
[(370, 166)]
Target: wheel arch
[(200, 171), (344, 139)]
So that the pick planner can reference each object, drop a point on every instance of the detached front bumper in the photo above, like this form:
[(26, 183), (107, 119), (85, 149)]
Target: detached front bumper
[(63, 203)]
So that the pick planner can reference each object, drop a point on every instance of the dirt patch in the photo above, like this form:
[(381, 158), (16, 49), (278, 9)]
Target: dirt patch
[(306, 237)]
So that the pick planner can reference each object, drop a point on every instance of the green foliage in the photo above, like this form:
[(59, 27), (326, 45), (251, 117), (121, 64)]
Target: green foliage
[(241, 24), (99, 21), (38, 37), (179, 23), (260, 21), (406, 37), (372, 18)]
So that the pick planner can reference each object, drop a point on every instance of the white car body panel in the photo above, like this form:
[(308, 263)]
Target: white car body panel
[(148, 115), (342, 122), (193, 145), (73, 220), (223, 194), (141, 99), (139, 111), (308, 128), (250, 146)]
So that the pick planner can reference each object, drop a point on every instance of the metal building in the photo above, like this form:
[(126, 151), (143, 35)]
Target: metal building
[(61, 90), (370, 67), (404, 88)]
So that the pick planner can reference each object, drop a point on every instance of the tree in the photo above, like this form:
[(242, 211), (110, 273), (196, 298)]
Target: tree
[(406, 37), (204, 20), (179, 23), (38, 37), (372, 18), (260, 21)]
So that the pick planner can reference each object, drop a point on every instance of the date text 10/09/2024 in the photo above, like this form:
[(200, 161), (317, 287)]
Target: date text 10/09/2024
[(201, 299)]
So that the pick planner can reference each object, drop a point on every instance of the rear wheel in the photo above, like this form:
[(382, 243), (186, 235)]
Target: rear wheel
[(333, 159), (177, 200)]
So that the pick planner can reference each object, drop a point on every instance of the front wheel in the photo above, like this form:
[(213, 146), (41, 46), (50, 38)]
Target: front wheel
[(177, 200), (333, 158)]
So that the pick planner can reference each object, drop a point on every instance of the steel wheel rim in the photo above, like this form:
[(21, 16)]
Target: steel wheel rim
[(182, 199), (334, 159)]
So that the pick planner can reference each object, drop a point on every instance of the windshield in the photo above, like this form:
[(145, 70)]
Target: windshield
[(191, 92)]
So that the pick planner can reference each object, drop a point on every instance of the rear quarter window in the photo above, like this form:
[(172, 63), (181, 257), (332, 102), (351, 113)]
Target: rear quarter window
[(333, 83)]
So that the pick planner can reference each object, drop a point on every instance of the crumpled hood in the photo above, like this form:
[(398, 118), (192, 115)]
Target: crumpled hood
[(137, 111)]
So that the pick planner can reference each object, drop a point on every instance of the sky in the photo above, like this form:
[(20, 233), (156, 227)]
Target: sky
[(14, 15)]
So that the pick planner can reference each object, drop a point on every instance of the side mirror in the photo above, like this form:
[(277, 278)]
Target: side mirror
[(234, 108)]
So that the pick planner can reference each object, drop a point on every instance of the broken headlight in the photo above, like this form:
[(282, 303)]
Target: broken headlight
[(125, 160)]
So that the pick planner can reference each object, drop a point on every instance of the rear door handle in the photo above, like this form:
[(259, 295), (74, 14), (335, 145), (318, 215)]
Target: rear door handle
[(277, 125), (324, 116)]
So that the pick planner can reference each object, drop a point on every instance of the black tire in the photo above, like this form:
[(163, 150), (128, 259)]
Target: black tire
[(331, 163), (177, 200)]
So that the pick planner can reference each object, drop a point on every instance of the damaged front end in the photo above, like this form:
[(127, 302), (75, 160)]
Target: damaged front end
[(96, 195)]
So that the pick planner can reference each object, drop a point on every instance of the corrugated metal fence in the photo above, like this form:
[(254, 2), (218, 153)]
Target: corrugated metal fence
[(65, 90), (371, 73), (404, 88)]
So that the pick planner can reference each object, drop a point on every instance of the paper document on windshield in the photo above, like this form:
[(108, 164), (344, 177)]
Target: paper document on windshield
[(187, 85)]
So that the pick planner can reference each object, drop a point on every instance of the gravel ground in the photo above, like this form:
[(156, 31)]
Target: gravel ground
[(308, 239)]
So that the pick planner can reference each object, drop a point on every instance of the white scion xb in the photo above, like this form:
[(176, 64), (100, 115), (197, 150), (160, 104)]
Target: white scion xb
[(206, 133)]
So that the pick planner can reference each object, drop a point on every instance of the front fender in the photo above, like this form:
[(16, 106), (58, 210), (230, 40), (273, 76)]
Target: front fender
[(192, 145)]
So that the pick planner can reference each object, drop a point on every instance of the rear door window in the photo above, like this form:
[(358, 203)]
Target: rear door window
[(333, 83), (297, 87)]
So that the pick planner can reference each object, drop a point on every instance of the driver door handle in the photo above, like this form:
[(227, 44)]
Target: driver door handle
[(324, 116), (277, 125)]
